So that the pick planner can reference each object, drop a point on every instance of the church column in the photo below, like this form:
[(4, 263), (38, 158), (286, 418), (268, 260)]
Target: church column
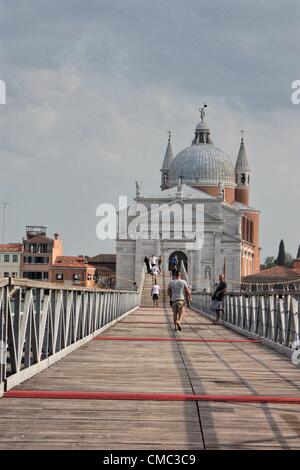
[(138, 260), (164, 254), (197, 270), (237, 267), (218, 256)]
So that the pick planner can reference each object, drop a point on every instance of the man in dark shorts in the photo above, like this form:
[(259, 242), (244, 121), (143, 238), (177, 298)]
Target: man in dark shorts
[(218, 297), (155, 294)]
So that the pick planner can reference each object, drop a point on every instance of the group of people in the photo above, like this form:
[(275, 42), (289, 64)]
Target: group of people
[(153, 265), (179, 291)]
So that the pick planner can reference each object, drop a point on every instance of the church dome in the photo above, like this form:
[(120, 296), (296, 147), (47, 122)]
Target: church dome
[(201, 164)]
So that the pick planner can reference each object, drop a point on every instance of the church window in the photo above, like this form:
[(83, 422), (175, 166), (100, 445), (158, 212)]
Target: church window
[(243, 178), (247, 231), (165, 177)]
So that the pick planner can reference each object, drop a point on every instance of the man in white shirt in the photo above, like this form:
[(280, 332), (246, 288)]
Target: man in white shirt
[(155, 294), (177, 289), (154, 272), (153, 260)]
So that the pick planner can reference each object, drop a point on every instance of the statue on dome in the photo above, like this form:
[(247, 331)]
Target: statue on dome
[(138, 188), (179, 184), (202, 111)]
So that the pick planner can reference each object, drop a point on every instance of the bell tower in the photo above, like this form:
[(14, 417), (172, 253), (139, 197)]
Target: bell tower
[(242, 175), (166, 165)]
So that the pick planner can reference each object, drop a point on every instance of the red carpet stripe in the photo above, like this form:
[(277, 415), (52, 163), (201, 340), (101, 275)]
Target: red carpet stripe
[(149, 396), (160, 323), (191, 340)]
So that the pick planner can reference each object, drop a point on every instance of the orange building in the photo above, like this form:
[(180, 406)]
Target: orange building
[(39, 253), (73, 270)]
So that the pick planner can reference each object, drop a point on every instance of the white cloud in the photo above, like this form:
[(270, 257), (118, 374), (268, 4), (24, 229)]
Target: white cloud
[(91, 100)]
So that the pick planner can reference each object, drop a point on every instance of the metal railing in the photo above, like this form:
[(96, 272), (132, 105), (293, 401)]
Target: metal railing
[(273, 317), (183, 272), (40, 323)]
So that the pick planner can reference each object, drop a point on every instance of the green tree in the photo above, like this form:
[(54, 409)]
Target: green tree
[(280, 261), (289, 260), (269, 263)]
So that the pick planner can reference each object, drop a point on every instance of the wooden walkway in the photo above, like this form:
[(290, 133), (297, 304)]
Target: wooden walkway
[(240, 368)]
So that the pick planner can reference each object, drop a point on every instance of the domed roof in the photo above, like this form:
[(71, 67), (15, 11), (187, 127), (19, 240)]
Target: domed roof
[(202, 164)]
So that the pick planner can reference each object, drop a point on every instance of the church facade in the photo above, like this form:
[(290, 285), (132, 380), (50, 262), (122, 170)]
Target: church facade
[(202, 214)]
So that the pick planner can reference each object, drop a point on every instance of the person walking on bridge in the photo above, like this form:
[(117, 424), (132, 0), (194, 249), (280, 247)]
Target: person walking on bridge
[(177, 290), (154, 272), (155, 294), (218, 297), (174, 262), (160, 262), (153, 261), (147, 263)]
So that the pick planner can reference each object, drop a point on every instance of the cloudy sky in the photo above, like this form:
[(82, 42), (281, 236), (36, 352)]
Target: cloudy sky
[(94, 85)]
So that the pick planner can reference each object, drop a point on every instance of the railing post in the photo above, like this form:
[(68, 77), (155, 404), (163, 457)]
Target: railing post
[(3, 335)]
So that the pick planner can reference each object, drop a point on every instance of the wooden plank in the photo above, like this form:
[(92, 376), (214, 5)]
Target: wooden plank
[(158, 367)]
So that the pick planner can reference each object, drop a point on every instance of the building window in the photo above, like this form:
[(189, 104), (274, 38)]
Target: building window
[(59, 277), (15, 258), (243, 178), (6, 274), (41, 260), (45, 275), (14, 274), (33, 275), (247, 229), (76, 277), (6, 258)]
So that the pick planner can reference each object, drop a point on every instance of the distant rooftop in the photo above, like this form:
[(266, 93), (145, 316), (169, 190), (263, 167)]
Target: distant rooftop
[(103, 258), (34, 230), (10, 247), (274, 274), (72, 262)]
